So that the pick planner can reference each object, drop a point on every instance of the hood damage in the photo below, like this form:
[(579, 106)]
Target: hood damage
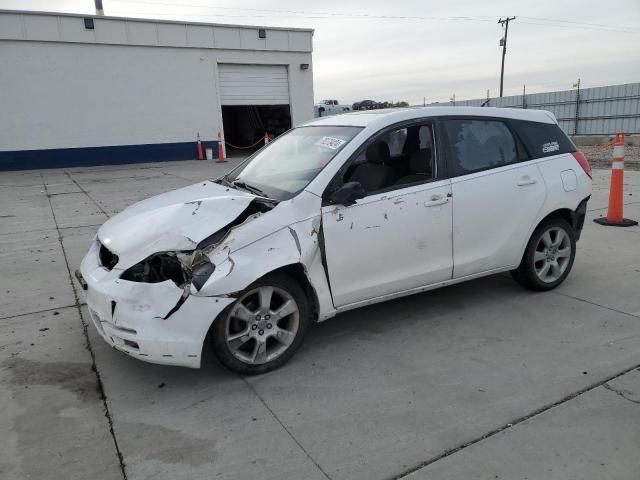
[(190, 269), (169, 240), (173, 221)]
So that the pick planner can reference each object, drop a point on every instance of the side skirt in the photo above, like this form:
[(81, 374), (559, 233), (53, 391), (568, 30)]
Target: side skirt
[(425, 288)]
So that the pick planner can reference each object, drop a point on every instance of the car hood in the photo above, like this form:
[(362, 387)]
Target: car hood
[(176, 220)]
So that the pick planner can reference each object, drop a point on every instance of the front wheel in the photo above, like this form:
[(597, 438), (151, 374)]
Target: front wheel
[(548, 257), (263, 328)]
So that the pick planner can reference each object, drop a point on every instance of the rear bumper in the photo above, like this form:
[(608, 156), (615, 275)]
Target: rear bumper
[(141, 319), (579, 216)]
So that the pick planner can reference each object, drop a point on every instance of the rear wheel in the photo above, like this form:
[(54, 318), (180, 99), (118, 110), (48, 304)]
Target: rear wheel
[(548, 257), (263, 328)]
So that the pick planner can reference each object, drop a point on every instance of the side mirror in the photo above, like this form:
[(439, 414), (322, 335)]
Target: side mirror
[(347, 194)]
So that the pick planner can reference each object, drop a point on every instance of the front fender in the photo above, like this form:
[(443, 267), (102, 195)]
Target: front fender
[(295, 244)]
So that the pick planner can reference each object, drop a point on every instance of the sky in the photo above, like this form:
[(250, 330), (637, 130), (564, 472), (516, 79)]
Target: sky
[(424, 50)]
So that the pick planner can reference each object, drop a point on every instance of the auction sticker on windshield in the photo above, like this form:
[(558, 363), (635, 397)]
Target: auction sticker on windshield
[(330, 142)]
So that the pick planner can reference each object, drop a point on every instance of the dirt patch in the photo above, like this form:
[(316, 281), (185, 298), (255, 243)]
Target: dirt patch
[(76, 378), (168, 446), (600, 156)]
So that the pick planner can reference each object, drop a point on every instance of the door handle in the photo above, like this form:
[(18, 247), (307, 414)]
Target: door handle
[(526, 180), (436, 200)]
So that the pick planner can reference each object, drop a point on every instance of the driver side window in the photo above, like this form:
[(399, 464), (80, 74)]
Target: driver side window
[(397, 158)]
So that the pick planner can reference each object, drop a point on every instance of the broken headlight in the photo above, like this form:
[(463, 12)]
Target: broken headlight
[(201, 270), (179, 267), (157, 268), (108, 259)]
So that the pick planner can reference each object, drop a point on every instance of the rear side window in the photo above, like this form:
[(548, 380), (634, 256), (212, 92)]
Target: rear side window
[(479, 145), (543, 139)]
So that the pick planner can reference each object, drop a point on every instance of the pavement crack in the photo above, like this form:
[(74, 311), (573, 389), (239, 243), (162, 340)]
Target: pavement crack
[(515, 422), (611, 309), (606, 208), (38, 311), (505, 276), (49, 229), (85, 192), (262, 400), (622, 393), (169, 174), (94, 367)]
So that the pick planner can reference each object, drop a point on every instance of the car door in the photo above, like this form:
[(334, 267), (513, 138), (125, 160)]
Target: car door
[(392, 240), (497, 194)]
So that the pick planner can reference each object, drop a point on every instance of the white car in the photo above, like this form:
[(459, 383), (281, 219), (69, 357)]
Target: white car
[(338, 213), (330, 107)]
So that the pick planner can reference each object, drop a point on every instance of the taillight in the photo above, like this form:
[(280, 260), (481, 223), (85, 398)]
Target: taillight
[(582, 160)]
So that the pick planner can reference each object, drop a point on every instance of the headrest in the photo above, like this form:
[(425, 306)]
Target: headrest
[(378, 152), (420, 161)]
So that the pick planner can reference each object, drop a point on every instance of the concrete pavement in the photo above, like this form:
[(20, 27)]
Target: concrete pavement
[(478, 380)]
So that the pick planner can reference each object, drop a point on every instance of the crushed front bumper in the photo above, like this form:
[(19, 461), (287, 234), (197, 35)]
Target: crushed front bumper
[(137, 319)]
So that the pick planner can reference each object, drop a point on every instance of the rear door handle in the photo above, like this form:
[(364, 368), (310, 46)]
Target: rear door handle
[(436, 200), (526, 180)]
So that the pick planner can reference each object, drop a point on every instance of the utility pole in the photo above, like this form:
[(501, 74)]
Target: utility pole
[(503, 44), (486, 102), (577, 116)]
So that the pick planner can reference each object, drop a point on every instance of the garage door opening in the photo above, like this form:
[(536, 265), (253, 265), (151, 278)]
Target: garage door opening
[(255, 100), (245, 126)]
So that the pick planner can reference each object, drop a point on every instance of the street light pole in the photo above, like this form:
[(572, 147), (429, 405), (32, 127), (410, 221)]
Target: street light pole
[(503, 43)]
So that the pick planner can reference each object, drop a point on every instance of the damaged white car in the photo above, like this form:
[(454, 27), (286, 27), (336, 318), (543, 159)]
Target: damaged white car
[(341, 212)]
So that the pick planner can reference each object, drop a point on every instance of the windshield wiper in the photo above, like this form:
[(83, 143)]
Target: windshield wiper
[(223, 180), (250, 188)]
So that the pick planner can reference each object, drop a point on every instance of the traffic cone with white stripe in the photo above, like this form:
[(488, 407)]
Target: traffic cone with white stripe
[(266, 138), (220, 149), (200, 152), (614, 216)]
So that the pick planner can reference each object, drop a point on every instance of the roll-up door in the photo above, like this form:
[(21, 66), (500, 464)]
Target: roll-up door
[(253, 84)]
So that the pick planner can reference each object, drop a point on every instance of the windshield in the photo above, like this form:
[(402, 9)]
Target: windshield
[(288, 164)]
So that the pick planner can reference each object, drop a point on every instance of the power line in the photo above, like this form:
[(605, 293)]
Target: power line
[(303, 14), (310, 15), (539, 21), (555, 20), (578, 26)]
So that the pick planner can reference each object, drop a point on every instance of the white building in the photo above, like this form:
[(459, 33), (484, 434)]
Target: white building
[(87, 90)]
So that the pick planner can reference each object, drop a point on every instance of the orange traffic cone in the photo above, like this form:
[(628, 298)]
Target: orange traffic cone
[(220, 149), (200, 152), (614, 216), (266, 138)]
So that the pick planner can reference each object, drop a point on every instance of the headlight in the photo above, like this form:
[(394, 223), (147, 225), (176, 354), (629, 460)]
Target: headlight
[(200, 273), (157, 268), (201, 269), (179, 267)]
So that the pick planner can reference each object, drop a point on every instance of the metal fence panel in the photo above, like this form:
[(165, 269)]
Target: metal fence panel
[(588, 111)]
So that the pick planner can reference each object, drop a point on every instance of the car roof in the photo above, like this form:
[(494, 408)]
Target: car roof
[(388, 116)]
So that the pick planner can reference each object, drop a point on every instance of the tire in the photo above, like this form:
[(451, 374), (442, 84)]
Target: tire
[(549, 256), (261, 331)]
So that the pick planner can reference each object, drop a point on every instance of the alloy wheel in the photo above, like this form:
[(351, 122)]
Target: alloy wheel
[(262, 325), (552, 255)]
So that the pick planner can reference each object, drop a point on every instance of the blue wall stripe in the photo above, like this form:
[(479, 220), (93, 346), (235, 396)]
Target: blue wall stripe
[(111, 155)]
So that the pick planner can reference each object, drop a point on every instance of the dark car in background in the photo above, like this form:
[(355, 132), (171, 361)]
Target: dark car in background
[(367, 105)]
